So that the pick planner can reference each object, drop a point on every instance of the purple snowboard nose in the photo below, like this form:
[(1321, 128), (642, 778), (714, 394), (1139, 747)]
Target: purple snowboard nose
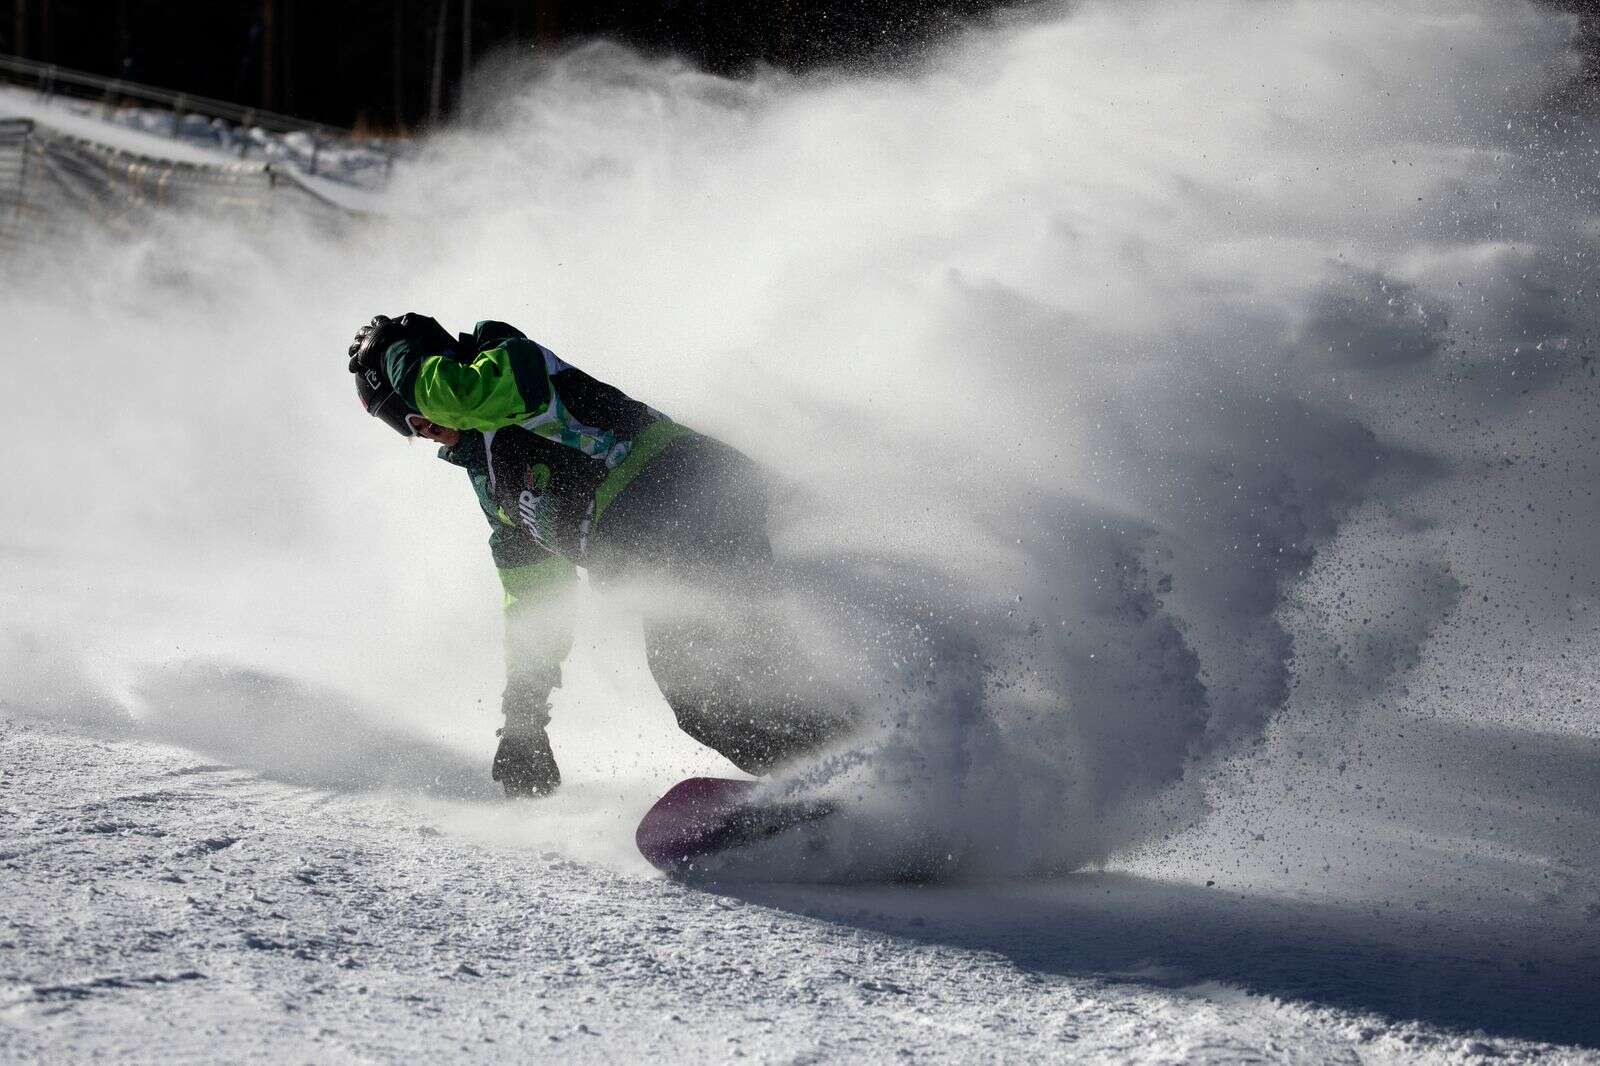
[(692, 819)]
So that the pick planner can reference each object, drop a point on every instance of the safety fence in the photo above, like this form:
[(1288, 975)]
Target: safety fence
[(52, 183), (13, 176), (315, 147)]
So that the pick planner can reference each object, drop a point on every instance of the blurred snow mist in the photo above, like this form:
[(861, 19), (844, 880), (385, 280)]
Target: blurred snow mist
[(1171, 401)]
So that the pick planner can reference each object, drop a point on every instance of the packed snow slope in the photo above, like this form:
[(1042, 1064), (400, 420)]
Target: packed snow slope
[(1187, 420), (162, 907)]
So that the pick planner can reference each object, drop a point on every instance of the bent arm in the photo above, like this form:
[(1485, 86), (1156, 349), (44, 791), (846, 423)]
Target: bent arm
[(540, 601), (503, 384), (481, 395)]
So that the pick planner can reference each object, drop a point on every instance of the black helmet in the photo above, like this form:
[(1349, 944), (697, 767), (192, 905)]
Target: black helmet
[(377, 395)]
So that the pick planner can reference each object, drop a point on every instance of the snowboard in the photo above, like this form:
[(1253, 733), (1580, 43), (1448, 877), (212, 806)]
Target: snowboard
[(702, 818)]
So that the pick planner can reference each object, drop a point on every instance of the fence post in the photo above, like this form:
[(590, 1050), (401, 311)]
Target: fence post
[(177, 115)]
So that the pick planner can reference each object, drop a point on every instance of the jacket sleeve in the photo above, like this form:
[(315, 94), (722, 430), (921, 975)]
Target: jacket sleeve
[(540, 602), (501, 384)]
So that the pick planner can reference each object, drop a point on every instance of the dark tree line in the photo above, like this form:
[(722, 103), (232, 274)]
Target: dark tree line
[(397, 63)]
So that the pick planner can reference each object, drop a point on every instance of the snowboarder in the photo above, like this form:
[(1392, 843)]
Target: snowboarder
[(571, 472)]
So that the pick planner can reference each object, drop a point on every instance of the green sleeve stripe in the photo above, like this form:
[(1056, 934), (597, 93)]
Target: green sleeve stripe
[(537, 579), (646, 446), (481, 395)]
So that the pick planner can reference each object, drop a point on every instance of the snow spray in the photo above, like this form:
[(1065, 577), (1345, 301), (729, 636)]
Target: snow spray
[(1185, 413)]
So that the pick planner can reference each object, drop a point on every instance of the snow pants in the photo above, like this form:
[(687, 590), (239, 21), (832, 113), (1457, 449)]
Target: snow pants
[(692, 526)]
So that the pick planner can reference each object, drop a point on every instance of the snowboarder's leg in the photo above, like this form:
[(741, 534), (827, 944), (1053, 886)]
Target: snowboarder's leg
[(721, 652), (723, 679)]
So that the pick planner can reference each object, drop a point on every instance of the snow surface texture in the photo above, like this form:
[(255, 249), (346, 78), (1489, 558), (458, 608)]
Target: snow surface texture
[(1188, 418), (165, 908)]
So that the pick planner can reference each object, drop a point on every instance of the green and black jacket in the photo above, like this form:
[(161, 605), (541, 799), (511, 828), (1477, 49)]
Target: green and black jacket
[(548, 449)]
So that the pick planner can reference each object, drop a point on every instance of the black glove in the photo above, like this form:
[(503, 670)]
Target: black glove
[(372, 341), (524, 764)]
